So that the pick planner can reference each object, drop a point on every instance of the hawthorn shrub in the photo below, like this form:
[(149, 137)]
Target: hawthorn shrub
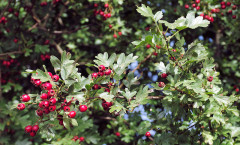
[(92, 97)]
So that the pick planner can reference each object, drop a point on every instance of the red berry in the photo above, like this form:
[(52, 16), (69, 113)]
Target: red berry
[(100, 74), (46, 111), (194, 5), (107, 90), (147, 134), (106, 5), (147, 28), (186, 6), (237, 89), (211, 19), (148, 46), (75, 138), (174, 50), (108, 72), (164, 75), (45, 104), (155, 53), (228, 4), (15, 40), (37, 83), (95, 5), (101, 68), (197, 1), (198, 8), (108, 15), (52, 108), (234, 7), (52, 101), (47, 86), (66, 108), (35, 128), (120, 33), (161, 84), (61, 122), (117, 134), (223, 6), (49, 73), (25, 98), (32, 134), (55, 78), (110, 26), (94, 75), (21, 106), (106, 105), (72, 114), (202, 14), (234, 16), (114, 36), (83, 108), (28, 129), (158, 47), (51, 92), (46, 42), (44, 96), (39, 112), (206, 17), (210, 78), (81, 139), (40, 104), (223, 3), (96, 87)]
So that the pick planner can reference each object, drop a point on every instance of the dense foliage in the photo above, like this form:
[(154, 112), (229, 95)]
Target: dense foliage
[(119, 72)]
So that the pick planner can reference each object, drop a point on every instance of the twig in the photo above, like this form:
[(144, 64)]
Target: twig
[(58, 47), (142, 62), (13, 52)]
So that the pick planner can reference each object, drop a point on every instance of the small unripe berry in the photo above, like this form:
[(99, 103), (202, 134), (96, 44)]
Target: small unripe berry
[(161, 84), (210, 78), (83, 108), (147, 134), (55, 78), (28, 129), (25, 98), (72, 114)]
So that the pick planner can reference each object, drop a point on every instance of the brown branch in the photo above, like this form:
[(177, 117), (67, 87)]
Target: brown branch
[(142, 62), (58, 47), (149, 97), (13, 52), (2, 13), (107, 118)]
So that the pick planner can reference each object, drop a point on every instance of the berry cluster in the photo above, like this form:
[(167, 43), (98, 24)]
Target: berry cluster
[(105, 14), (7, 63), (102, 72), (45, 57), (32, 130), (157, 47), (81, 139), (208, 15), (3, 20)]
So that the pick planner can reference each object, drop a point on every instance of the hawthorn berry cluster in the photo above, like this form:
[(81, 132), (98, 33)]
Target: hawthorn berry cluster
[(45, 57), (8, 62), (81, 139), (105, 13), (148, 46), (32, 130), (208, 15)]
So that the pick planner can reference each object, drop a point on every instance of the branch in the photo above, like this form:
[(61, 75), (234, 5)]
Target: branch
[(58, 47), (142, 62), (13, 52)]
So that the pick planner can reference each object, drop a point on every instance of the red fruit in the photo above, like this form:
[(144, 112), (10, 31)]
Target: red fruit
[(21, 106), (43, 4), (198, 8), (28, 129), (223, 3), (50, 74), (39, 112), (16, 14), (106, 105), (75, 138), (81, 139), (206, 17), (106, 5), (120, 33), (66, 108), (52, 108), (72, 114), (61, 122), (213, 10), (51, 92), (55, 78), (40, 104), (223, 6), (15, 40), (46, 111), (25, 98), (148, 46), (229, 12), (234, 16), (108, 15), (237, 89), (211, 19), (197, 1), (44, 96), (164, 75), (52, 101), (101, 68), (117, 134), (194, 5), (83, 108), (107, 90), (46, 42), (186, 6), (110, 26), (37, 83), (94, 75), (100, 74), (228, 4), (147, 28), (234, 7), (10, 10), (210, 78), (161, 84), (95, 5), (147, 134), (47, 86), (32, 134), (114, 36), (108, 72), (155, 53), (96, 87), (101, 13), (202, 15), (158, 47), (45, 104), (35, 128), (174, 50)]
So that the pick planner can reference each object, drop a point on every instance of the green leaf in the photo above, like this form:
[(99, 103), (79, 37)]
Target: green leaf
[(208, 138), (107, 97), (56, 63), (161, 66), (128, 94), (102, 59), (76, 95), (222, 100), (41, 75), (117, 107), (158, 16), (145, 11), (74, 122)]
